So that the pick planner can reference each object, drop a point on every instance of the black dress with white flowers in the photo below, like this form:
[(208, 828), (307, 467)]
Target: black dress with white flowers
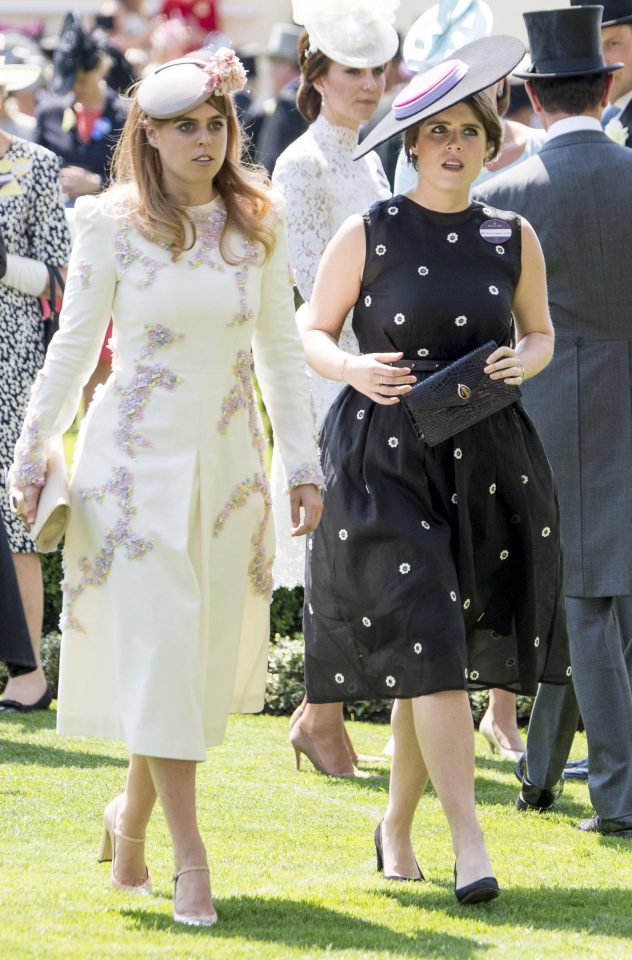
[(33, 225), (433, 568)]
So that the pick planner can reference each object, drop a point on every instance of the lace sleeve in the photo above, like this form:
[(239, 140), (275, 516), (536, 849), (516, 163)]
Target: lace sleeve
[(302, 182)]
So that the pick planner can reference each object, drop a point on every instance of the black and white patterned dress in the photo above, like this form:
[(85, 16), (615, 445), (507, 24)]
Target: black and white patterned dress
[(33, 224), (433, 568)]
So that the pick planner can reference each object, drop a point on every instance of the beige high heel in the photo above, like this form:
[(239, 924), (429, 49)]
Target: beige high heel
[(355, 757), (486, 728), (205, 920), (107, 852), (302, 743)]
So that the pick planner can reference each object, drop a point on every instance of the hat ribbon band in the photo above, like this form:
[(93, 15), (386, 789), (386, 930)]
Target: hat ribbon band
[(404, 108), (567, 65)]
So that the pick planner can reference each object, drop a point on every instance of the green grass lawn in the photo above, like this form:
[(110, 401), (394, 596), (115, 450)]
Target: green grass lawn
[(292, 862)]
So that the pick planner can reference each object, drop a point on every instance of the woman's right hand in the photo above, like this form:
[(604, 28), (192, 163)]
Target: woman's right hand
[(370, 374), (24, 501)]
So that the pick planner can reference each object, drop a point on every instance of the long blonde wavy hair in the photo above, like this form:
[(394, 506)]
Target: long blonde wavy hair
[(242, 187)]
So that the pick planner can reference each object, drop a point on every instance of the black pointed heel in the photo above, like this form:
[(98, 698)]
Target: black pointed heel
[(379, 852), (479, 891)]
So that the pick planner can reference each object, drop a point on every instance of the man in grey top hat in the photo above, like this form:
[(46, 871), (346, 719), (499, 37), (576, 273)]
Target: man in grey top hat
[(576, 193), (616, 37)]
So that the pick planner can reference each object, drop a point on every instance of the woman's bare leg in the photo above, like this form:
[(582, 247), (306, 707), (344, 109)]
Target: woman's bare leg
[(29, 687), (499, 722), (445, 732), (133, 813), (323, 723), (409, 777), (174, 781)]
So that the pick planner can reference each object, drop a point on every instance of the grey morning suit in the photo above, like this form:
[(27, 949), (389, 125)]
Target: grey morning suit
[(577, 194)]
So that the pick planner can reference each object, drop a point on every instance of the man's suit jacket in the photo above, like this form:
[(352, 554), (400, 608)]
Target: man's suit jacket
[(577, 194), (626, 121)]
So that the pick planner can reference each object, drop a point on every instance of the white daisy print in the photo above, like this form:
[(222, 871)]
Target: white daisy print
[(393, 442), (461, 321), (536, 642), (493, 290), (466, 673), (500, 250), (366, 621), (423, 271), (390, 681), (454, 498), (453, 596), (568, 671), (525, 478), (474, 675), (367, 300), (380, 249), (425, 525), (467, 603), (488, 212), (417, 648), (453, 237), (399, 318), (343, 534), (492, 488), (339, 678), (458, 454), (360, 415), (393, 211), (422, 352), (546, 532), (404, 568), (504, 554)]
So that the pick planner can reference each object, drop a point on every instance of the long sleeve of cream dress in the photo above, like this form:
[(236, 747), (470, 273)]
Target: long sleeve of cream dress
[(322, 185), (168, 553)]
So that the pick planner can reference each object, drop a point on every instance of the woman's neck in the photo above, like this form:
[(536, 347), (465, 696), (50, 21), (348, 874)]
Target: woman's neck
[(338, 119)]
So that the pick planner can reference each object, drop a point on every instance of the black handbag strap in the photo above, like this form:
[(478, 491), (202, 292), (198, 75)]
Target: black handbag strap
[(55, 289)]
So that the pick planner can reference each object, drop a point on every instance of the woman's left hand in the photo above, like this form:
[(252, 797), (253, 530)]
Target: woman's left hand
[(305, 496), (505, 364)]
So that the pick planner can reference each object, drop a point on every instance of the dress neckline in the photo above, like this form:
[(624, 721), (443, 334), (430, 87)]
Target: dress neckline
[(437, 216), (332, 135)]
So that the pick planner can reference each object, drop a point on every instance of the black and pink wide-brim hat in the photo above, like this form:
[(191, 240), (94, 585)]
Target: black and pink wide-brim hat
[(469, 70)]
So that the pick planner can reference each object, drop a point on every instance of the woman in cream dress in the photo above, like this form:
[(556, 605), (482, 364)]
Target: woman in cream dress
[(343, 52), (168, 554)]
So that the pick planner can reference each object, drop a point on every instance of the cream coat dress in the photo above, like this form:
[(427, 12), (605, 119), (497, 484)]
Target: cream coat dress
[(168, 553)]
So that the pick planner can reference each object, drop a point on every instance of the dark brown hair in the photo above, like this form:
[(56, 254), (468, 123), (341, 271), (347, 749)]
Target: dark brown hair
[(484, 111), (313, 66), (241, 187), (572, 95)]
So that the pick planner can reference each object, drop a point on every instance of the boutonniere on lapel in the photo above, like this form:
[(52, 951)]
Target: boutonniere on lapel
[(68, 120), (101, 128), (616, 131), (10, 173)]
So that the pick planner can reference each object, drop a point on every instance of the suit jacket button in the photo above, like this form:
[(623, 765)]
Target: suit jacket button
[(579, 341)]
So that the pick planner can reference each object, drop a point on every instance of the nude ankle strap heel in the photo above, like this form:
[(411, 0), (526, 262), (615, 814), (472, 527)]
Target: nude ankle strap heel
[(203, 920), (107, 851)]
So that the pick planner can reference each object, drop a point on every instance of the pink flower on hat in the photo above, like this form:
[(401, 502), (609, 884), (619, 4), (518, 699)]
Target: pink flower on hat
[(225, 73)]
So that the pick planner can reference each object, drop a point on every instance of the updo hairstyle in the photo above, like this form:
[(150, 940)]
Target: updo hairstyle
[(313, 66)]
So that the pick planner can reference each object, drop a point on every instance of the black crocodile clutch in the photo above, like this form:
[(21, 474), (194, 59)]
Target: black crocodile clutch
[(456, 396)]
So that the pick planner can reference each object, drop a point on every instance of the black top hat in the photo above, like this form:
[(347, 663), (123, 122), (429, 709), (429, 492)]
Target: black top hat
[(565, 43), (614, 11), (469, 70), (76, 50)]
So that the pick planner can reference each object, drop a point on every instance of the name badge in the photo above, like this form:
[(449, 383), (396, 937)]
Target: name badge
[(495, 231)]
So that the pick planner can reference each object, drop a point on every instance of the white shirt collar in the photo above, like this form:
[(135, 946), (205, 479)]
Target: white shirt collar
[(623, 101), (571, 125)]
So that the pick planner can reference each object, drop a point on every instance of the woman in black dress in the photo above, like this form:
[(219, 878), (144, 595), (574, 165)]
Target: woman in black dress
[(433, 568)]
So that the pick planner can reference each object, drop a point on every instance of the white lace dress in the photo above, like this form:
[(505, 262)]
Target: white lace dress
[(322, 185), (167, 556)]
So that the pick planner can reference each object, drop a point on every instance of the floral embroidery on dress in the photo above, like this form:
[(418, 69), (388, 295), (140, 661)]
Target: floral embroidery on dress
[(367, 300), (390, 681), (393, 442), (30, 460), (380, 249), (422, 352), (393, 211), (546, 532), (135, 396), (536, 642), (95, 572), (461, 321), (260, 566), (209, 233), (399, 318), (241, 396), (244, 313), (85, 274), (504, 554), (423, 271), (306, 473), (343, 535), (500, 250), (360, 415), (126, 255), (493, 290), (339, 678), (404, 568), (366, 621), (417, 648), (453, 237)]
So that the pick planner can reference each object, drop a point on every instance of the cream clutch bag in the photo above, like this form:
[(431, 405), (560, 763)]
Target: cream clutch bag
[(53, 508)]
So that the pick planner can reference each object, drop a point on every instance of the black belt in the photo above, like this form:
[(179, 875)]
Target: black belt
[(424, 366)]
